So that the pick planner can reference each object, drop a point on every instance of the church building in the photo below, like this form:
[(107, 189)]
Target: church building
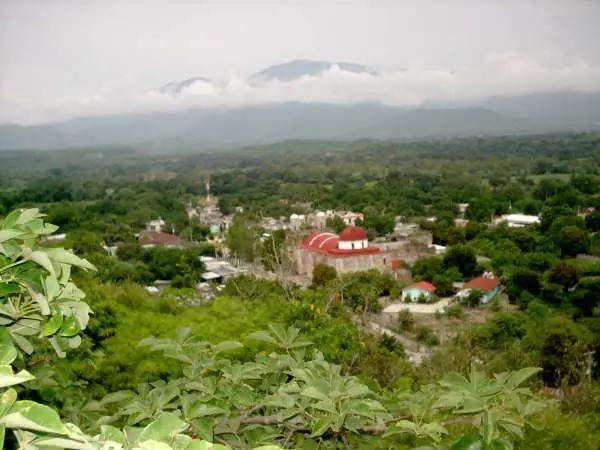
[(349, 251)]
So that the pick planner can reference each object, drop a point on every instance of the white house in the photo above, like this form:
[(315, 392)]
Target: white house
[(155, 225), (418, 290), (438, 249), (297, 221), (518, 220), (350, 217)]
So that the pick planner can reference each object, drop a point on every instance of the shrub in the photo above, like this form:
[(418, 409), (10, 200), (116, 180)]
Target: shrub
[(391, 344), (406, 321), (426, 335), (455, 312), (323, 273), (474, 298), (565, 275)]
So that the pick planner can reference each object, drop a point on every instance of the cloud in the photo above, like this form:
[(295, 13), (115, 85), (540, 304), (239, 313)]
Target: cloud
[(498, 74)]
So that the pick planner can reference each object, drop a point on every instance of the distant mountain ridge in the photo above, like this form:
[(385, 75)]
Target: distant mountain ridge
[(223, 127), (298, 68), (176, 87), (202, 128)]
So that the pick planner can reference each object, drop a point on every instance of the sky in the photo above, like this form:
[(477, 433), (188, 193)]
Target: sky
[(63, 59)]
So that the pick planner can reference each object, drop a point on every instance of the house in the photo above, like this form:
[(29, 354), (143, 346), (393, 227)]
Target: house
[(218, 270), (585, 212), (517, 220), (155, 225), (150, 239), (272, 224), (110, 250), (297, 221), (488, 284), (350, 218), (56, 237), (438, 249), (416, 291)]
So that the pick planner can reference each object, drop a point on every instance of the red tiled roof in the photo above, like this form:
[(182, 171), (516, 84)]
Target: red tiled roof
[(326, 242), (159, 238), (321, 240), (484, 284), (353, 234), (396, 264), (423, 285)]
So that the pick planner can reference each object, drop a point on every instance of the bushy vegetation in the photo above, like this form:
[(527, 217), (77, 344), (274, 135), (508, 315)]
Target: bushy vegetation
[(258, 380), (290, 395)]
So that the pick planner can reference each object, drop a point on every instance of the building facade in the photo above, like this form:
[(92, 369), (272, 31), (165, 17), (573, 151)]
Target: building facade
[(349, 251)]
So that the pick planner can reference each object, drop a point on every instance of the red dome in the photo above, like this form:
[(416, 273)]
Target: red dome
[(321, 240), (353, 234)]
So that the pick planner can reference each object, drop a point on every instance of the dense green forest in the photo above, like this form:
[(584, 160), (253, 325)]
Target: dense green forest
[(272, 363)]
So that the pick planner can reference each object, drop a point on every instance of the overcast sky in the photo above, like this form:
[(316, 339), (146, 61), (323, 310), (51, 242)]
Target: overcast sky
[(60, 59)]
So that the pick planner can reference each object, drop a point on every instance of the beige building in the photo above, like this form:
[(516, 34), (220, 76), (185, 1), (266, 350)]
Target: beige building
[(351, 251)]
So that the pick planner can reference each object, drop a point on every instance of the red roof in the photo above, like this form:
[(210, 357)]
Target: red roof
[(423, 285), (159, 238), (396, 264), (326, 242), (484, 284), (321, 240), (353, 234)]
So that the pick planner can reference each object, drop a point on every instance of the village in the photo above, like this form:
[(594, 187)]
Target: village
[(311, 242), (294, 250)]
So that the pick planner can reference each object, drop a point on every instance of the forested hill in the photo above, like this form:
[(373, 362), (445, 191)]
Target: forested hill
[(300, 155), (196, 129)]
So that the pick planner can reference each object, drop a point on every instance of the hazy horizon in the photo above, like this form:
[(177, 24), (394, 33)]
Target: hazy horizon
[(67, 59)]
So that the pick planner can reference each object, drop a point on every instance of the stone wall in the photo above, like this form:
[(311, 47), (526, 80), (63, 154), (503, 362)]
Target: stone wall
[(306, 260)]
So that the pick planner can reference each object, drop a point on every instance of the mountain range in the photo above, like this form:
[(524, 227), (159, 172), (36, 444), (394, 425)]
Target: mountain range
[(214, 127)]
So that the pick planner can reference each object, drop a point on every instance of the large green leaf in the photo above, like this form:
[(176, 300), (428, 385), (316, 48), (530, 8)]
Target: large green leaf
[(29, 415), (9, 288), (69, 327), (66, 257), (7, 400), (12, 218), (52, 325), (261, 336), (8, 378), (8, 352), (22, 343), (204, 445), (226, 346), (456, 381), (516, 378), (110, 433), (42, 259), (468, 442), (163, 428), (6, 235), (61, 442), (322, 424), (152, 445), (28, 215)]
